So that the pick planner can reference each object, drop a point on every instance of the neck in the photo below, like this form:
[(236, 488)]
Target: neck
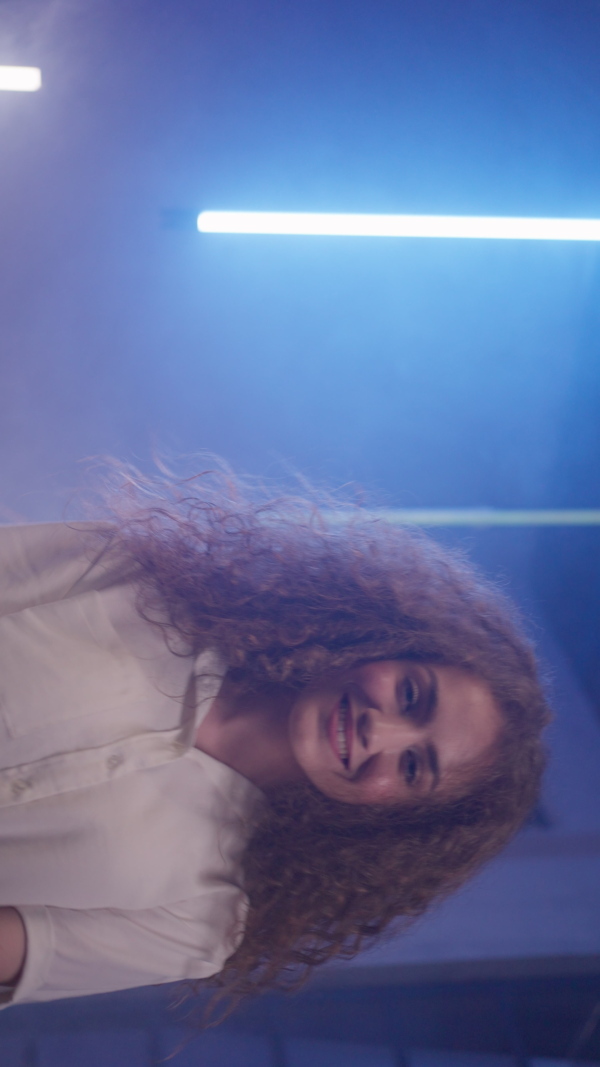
[(249, 733)]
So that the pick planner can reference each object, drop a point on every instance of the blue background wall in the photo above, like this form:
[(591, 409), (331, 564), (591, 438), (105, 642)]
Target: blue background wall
[(433, 371)]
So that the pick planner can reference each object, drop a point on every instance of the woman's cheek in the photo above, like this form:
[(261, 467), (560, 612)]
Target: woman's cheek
[(302, 734)]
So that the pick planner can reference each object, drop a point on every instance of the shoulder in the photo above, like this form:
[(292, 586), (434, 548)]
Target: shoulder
[(42, 562)]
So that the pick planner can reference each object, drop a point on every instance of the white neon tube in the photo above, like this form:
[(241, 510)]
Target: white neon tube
[(20, 79), (312, 224), (489, 516)]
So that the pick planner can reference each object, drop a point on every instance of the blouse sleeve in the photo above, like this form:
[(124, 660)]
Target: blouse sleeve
[(73, 953), (44, 562)]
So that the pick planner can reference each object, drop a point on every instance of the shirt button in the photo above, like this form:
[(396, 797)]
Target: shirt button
[(114, 761), (19, 786)]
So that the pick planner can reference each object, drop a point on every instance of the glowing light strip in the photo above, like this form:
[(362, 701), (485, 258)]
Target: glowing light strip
[(485, 517), (309, 224), (20, 79)]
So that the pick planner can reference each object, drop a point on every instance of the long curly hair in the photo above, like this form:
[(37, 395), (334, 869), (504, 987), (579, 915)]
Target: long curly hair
[(288, 590)]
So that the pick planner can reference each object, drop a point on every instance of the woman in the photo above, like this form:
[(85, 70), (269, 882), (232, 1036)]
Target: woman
[(240, 737)]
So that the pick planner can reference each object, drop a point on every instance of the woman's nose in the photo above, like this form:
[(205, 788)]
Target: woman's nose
[(377, 732)]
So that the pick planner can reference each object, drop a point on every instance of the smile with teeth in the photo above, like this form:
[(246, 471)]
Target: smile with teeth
[(342, 737)]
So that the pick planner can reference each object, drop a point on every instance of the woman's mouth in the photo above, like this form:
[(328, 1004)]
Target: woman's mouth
[(340, 726)]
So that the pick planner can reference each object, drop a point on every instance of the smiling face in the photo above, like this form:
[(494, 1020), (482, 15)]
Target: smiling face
[(393, 730)]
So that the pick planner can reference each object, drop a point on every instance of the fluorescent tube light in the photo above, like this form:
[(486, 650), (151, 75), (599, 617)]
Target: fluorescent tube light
[(481, 516), (20, 79), (311, 224)]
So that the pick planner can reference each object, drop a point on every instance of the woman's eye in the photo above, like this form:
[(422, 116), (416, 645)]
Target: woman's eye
[(410, 766), (411, 694)]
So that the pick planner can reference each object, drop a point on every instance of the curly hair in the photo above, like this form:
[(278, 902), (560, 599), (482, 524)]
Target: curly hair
[(287, 591)]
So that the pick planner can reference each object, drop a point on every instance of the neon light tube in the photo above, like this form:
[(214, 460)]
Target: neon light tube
[(310, 224), (479, 516), (20, 79)]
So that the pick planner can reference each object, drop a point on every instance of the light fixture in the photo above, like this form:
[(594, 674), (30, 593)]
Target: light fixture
[(478, 516), (20, 79), (313, 224)]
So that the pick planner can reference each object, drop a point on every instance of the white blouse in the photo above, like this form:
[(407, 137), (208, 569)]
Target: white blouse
[(120, 843)]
